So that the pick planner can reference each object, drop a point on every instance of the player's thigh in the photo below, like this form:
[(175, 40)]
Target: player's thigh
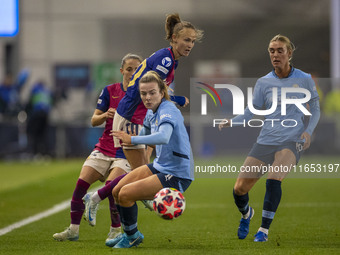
[(250, 173), (136, 157), (139, 190), (135, 175), (118, 167), (89, 174), (115, 172), (283, 162)]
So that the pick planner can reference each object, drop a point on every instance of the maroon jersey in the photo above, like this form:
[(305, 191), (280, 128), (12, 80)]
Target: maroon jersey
[(109, 98)]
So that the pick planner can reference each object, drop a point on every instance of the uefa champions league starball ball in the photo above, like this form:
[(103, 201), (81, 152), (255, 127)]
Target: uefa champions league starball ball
[(169, 203)]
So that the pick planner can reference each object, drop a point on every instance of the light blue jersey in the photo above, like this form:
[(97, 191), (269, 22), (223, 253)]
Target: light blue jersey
[(175, 157), (275, 133)]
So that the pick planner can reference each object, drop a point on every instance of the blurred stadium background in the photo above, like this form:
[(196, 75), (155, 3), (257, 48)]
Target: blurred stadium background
[(75, 48)]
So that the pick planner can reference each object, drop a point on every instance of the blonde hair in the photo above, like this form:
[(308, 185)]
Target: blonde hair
[(174, 25), (284, 39), (131, 56), (153, 76)]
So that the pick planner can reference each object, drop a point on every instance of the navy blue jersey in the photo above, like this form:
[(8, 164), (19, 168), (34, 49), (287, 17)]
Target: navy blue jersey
[(131, 106)]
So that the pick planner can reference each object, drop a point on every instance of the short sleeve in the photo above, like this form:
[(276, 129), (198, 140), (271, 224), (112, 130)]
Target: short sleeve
[(103, 102), (162, 64)]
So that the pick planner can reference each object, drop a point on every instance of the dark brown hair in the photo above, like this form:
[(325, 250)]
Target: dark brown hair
[(174, 25)]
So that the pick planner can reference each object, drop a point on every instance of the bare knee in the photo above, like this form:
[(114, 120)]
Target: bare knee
[(115, 194), (243, 186), (124, 197), (239, 189)]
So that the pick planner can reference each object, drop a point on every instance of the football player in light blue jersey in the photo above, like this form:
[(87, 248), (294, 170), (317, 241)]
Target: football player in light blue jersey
[(173, 166), (282, 137)]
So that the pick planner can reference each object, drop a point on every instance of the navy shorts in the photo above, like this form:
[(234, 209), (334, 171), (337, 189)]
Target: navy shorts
[(170, 181), (266, 153)]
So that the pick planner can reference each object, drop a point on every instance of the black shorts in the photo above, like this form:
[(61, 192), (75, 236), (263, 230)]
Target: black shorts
[(266, 153), (170, 181)]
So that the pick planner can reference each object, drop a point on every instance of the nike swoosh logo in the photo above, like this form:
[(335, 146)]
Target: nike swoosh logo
[(132, 243), (114, 97), (90, 219)]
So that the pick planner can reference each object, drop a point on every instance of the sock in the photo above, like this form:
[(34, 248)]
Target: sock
[(271, 202), (77, 205), (107, 189), (128, 217), (264, 230), (115, 219), (74, 228), (95, 197), (242, 204), (119, 209)]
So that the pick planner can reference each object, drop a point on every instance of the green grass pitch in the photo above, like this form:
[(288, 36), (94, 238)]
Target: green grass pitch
[(307, 221)]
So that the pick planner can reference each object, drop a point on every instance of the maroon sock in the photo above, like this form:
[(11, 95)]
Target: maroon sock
[(77, 205), (107, 189), (115, 219)]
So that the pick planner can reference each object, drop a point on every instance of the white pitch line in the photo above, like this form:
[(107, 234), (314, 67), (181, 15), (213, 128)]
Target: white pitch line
[(55, 209)]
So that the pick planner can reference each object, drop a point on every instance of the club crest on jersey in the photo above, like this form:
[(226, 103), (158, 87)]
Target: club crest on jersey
[(166, 61)]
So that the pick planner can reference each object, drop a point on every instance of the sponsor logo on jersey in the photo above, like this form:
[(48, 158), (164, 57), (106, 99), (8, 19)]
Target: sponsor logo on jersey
[(162, 69), (166, 61), (165, 115)]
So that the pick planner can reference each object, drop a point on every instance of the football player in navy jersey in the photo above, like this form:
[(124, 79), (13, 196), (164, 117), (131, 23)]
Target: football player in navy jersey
[(131, 111), (105, 161), (278, 147), (172, 167)]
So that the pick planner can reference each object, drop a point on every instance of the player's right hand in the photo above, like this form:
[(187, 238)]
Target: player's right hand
[(110, 113), (224, 124)]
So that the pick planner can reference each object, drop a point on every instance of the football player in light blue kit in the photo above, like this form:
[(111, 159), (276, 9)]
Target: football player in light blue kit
[(278, 146), (172, 167)]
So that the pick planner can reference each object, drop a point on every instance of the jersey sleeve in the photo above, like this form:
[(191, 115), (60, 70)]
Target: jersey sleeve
[(258, 97), (168, 115), (162, 136), (162, 64), (312, 88), (146, 122), (314, 119), (103, 102)]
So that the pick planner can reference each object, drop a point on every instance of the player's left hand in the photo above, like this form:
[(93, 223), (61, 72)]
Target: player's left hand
[(186, 102), (124, 137), (306, 137)]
